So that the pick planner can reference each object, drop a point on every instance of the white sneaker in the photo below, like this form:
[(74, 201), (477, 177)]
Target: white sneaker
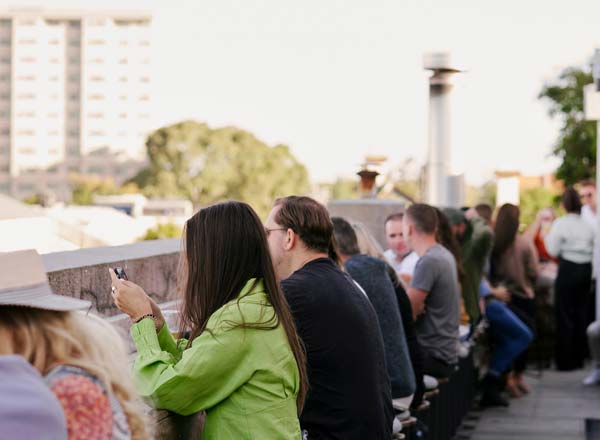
[(430, 382), (593, 378)]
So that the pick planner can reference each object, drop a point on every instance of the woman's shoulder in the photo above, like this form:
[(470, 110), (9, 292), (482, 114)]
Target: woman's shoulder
[(84, 400), (247, 309)]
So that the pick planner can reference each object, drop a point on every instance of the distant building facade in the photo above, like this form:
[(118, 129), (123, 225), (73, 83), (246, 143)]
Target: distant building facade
[(74, 97)]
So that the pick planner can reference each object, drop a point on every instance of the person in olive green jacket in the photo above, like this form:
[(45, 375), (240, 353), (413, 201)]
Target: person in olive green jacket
[(243, 363)]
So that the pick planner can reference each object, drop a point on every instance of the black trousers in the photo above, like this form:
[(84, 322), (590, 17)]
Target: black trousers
[(436, 367), (572, 290)]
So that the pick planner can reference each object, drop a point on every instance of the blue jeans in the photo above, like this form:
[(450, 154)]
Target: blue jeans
[(509, 334)]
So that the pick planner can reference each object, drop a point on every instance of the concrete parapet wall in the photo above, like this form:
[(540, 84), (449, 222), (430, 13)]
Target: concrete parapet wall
[(370, 212), (84, 273)]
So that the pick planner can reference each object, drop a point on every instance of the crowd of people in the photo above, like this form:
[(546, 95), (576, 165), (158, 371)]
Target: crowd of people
[(301, 327)]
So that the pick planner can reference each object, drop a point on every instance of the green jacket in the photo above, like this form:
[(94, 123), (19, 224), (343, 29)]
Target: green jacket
[(475, 250), (246, 379)]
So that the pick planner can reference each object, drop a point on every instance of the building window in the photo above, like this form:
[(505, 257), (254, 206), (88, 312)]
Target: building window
[(26, 78), (123, 61), (146, 61), (54, 60), (123, 79), (74, 97), (144, 98), (53, 78), (4, 96), (96, 22), (143, 115), (26, 151), (96, 115), (123, 97), (74, 43), (95, 42), (4, 78), (74, 60), (53, 115), (4, 114), (74, 77), (96, 97), (26, 115), (73, 133), (95, 133), (5, 131), (4, 41), (5, 60), (96, 61), (74, 24), (145, 79), (53, 42), (144, 43), (73, 115), (96, 78), (26, 96), (123, 115), (53, 133), (25, 41), (26, 132), (123, 43)]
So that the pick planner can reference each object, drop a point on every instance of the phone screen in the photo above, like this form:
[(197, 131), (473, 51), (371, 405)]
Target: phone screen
[(120, 272)]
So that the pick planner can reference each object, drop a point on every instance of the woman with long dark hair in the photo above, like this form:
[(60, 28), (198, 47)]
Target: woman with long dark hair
[(243, 362), (572, 240), (514, 265)]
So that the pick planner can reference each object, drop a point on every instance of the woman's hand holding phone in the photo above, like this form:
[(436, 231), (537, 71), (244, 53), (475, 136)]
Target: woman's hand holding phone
[(129, 297)]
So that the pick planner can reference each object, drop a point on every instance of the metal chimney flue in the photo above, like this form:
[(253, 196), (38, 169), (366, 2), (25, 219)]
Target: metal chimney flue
[(438, 165)]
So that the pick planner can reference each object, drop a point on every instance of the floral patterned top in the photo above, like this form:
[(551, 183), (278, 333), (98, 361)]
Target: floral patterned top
[(91, 412)]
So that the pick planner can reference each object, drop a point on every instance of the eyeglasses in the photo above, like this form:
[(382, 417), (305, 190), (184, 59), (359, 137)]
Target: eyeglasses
[(269, 230), (588, 195)]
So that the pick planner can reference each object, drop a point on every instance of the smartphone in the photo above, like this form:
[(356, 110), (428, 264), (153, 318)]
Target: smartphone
[(120, 272)]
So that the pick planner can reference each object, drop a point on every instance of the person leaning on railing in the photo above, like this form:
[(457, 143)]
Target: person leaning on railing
[(243, 363)]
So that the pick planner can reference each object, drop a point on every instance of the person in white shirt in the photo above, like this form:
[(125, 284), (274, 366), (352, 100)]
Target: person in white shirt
[(398, 254), (572, 240)]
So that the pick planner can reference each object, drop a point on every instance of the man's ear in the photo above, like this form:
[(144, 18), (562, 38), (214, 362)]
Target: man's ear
[(289, 240)]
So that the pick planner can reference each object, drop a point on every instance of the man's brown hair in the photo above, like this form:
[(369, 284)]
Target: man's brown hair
[(396, 217), (485, 211), (424, 218), (307, 218)]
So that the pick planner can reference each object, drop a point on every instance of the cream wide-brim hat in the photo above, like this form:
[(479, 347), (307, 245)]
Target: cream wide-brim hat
[(24, 283)]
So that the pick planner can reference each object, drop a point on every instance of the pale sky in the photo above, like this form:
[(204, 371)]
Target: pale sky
[(338, 79)]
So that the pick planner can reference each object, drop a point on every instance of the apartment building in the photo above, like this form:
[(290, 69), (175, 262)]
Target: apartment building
[(74, 97)]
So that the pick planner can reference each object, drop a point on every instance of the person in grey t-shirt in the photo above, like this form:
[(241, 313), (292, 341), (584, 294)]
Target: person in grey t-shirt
[(434, 292)]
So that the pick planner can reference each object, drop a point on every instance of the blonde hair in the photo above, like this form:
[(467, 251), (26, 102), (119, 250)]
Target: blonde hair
[(48, 339), (366, 242)]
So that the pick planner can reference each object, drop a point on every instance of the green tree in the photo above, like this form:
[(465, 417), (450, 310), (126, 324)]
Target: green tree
[(162, 231), (85, 187), (576, 144), (534, 199), (189, 159), (344, 188)]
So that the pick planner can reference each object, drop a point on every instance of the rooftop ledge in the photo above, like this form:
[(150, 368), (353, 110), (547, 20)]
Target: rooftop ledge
[(84, 273)]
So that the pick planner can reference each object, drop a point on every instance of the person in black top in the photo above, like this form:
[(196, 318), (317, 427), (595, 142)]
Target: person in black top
[(371, 274), (349, 390)]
